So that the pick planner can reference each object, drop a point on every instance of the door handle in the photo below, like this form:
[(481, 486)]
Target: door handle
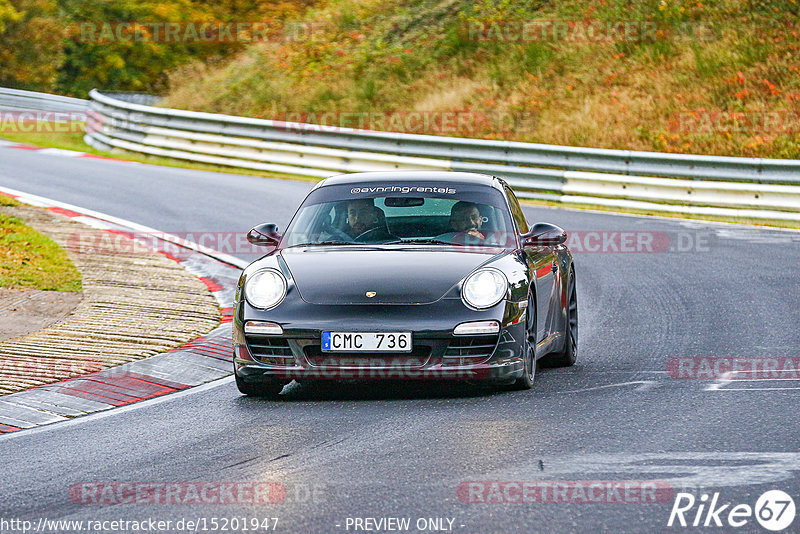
[(554, 267)]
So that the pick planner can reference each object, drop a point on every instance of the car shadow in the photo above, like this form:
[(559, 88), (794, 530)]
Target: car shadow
[(332, 390)]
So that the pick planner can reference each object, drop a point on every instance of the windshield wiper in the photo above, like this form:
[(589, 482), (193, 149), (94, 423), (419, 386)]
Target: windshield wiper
[(330, 242), (422, 242)]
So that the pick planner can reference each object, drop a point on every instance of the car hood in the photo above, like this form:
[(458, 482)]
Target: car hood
[(344, 275)]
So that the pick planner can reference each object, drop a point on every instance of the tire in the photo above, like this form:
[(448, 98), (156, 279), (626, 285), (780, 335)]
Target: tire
[(529, 375), (569, 354), (262, 388)]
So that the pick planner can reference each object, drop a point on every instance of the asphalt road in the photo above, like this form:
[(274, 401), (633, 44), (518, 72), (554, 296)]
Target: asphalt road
[(403, 451)]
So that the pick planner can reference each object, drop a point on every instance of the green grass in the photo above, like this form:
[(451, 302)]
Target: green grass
[(712, 57), (66, 141), (30, 259), (8, 201)]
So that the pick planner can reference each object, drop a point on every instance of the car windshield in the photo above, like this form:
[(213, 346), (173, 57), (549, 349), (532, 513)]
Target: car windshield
[(391, 214)]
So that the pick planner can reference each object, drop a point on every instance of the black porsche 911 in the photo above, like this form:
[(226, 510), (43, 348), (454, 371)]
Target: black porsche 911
[(405, 275)]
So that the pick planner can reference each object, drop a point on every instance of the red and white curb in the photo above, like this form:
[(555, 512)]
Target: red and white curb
[(202, 360), (58, 151)]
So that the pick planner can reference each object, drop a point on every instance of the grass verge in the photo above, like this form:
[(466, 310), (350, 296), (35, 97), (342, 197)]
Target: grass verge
[(30, 259), (716, 77)]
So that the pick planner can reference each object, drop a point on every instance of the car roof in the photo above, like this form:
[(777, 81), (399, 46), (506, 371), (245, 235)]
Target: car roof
[(449, 177)]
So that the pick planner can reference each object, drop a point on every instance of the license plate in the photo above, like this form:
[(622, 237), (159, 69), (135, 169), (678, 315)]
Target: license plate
[(366, 341)]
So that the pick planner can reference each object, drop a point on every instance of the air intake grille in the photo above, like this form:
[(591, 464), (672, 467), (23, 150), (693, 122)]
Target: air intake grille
[(468, 350), (271, 350)]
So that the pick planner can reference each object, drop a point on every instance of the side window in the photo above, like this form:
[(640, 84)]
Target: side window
[(516, 211)]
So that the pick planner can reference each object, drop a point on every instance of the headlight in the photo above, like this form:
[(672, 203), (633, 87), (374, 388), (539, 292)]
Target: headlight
[(265, 289), (484, 288)]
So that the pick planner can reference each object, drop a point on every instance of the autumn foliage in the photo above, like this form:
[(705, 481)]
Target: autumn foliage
[(44, 44)]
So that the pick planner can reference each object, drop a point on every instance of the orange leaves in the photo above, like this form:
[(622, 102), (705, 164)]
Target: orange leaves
[(774, 91), (739, 80)]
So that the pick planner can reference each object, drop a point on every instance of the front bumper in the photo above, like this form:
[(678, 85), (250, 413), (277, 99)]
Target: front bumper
[(437, 354)]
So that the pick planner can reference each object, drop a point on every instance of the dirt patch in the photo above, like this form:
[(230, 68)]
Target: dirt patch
[(23, 311)]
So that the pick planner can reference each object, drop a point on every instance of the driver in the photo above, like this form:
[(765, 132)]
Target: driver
[(466, 218), (362, 215)]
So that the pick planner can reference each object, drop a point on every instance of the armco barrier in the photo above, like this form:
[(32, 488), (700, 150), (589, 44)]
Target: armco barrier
[(17, 100), (762, 190)]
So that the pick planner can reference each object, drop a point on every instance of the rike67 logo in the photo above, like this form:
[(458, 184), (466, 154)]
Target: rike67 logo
[(774, 510)]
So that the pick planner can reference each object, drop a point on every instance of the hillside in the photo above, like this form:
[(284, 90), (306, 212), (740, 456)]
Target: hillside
[(718, 77)]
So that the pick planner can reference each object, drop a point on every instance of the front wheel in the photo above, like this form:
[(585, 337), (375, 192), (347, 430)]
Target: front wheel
[(528, 376), (569, 354)]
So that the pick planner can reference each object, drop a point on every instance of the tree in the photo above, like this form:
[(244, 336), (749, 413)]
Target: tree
[(31, 49), (103, 52)]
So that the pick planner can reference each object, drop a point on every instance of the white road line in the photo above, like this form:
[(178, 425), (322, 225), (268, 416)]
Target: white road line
[(720, 384), (60, 152), (36, 200), (757, 389), (644, 385), (679, 469), (764, 380)]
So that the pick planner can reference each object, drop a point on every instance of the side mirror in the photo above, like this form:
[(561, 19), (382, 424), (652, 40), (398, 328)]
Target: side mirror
[(264, 234), (544, 235)]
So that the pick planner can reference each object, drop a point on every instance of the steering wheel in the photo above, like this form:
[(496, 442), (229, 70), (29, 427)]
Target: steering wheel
[(367, 233), (338, 234), (465, 236)]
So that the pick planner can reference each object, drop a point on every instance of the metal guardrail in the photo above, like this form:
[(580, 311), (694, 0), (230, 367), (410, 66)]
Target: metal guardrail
[(18, 100), (747, 188), (765, 190), (135, 98)]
